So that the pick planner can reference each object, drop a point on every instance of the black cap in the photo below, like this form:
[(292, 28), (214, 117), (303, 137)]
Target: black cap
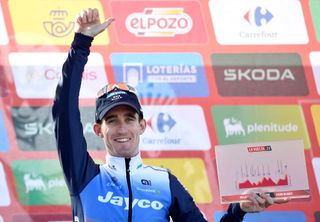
[(114, 98)]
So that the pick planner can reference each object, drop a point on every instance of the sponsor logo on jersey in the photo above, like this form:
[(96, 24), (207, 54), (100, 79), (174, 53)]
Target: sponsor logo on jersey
[(124, 202)]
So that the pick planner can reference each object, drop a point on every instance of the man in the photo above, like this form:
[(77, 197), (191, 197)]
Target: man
[(122, 189)]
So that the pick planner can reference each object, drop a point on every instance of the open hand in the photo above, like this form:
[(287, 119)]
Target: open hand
[(88, 22)]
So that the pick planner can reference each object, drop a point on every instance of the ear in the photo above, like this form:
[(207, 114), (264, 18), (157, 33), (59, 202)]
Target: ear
[(97, 129), (143, 125)]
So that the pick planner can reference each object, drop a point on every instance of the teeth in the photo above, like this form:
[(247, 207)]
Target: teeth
[(122, 140)]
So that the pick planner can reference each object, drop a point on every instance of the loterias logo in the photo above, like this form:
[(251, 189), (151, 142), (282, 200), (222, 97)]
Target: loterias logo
[(171, 22), (40, 72), (259, 74), (168, 129), (242, 124), (34, 128), (175, 74), (258, 22)]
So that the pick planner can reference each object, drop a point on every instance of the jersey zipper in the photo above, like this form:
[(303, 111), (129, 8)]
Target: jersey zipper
[(127, 160)]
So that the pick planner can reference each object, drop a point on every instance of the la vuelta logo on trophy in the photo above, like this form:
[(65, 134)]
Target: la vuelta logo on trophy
[(159, 22)]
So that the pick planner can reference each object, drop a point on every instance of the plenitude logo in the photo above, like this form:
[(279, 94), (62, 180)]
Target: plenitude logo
[(175, 74), (315, 12), (243, 124), (40, 72), (315, 112), (315, 62), (259, 74), (3, 31), (53, 24), (167, 128), (5, 198), (258, 22), (40, 182), (191, 172), (171, 22)]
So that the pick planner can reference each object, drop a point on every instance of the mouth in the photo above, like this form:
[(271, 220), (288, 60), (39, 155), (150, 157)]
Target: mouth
[(122, 140)]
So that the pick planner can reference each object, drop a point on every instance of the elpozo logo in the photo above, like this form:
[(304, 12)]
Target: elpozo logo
[(172, 22), (254, 23), (242, 124), (159, 22), (259, 74)]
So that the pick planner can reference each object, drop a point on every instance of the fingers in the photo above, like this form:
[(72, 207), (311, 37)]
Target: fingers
[(283, 200), (107, 22), (88, 15)]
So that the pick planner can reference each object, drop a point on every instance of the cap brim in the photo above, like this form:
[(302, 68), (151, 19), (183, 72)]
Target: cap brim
[(107, 109)]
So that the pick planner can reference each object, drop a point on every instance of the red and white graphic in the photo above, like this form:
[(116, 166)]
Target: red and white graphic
[(5, 198), (3, 32), (262, 22), (315, 62), (170, 22), (274, 171), (173, 128), (40, 72)]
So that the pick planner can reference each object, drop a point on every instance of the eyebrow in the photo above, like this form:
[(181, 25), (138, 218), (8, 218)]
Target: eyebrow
[(127, 114)]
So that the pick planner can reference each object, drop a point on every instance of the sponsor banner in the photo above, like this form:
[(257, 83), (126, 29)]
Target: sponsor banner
[(40, 182), (292, 216), (191, 172), (258, 22), (35, 130), (3, 31), (40, 72), (53, 24), (4, 91), (259, 74), (42, 218), (158, 22), (315, 62), (4, 143), (316, 170), (162, 75), (246, 124), (174, 127), (5, 198), (315, 12), (315, 112)]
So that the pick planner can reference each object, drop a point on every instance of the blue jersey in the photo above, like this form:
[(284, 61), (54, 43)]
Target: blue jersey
[(122, 189)]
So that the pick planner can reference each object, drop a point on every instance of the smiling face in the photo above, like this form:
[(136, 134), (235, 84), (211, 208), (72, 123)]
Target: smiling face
[(120, 130)]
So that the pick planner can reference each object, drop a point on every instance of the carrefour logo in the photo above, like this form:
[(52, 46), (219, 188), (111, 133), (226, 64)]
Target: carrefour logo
[(243, 124), (258, 16), (160, 22), (163, 122), (124, 202)]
